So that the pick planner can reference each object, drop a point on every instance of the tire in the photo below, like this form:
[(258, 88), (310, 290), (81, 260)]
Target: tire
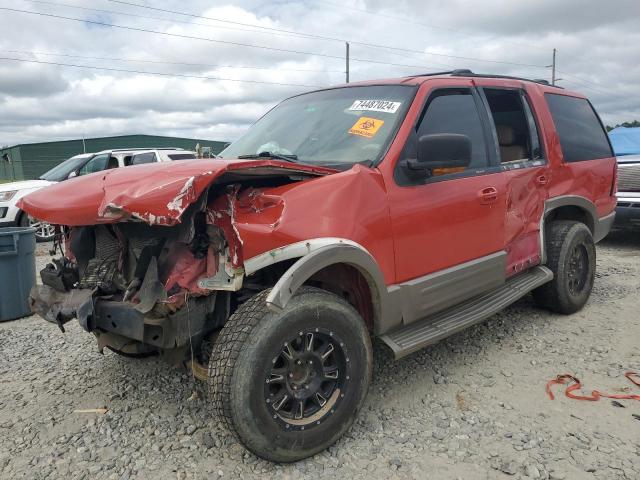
[(44, 231), (23, 219), (248, 395), (571, 256)]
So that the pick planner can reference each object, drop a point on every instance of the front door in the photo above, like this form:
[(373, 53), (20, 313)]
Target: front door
[(449, 227)]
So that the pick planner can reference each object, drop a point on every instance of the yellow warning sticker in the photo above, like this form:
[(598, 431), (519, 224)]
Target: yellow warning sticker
[(366, 127)]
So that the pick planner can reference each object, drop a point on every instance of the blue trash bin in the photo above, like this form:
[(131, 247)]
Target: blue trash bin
[(17, 271)]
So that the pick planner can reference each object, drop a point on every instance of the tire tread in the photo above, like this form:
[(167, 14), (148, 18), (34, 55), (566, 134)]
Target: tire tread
[(550, 295), (226, 351)]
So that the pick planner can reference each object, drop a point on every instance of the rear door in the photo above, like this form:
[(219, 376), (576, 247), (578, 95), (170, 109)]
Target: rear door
[(524, 170)]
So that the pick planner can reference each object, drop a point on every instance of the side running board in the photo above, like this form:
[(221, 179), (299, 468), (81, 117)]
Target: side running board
[(421, 333)]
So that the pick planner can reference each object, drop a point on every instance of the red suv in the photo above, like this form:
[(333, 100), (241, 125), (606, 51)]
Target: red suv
[(405, 209)]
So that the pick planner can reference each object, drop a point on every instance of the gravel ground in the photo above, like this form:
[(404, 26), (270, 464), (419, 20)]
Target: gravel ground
[(471, 407)]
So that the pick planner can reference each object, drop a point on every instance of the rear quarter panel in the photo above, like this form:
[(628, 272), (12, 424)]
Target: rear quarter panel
[(591, 179)]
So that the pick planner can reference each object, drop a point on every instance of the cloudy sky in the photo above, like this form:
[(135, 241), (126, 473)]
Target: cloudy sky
[(213, 67)]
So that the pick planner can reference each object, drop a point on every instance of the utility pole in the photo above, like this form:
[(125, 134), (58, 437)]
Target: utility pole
[(347, 62), (553, 68)]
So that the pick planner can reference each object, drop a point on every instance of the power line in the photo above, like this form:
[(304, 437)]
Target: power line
[(583, 85), (162, 74), (193, 15), (157, 32), (171, 20), (580, 79), (192, 37), (341, 40), (161, 62)]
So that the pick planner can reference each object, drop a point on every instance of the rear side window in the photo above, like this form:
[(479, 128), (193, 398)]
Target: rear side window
[(141, 158), (582, 136), (181, 156)]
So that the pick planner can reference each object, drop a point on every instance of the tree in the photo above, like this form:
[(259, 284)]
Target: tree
[(633, 124)]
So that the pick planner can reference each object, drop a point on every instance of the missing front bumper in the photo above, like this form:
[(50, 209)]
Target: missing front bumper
[(102, 315)]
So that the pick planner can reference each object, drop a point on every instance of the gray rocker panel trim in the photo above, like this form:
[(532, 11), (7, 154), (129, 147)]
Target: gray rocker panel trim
[(424, 296), (385, 314), (603, 227)]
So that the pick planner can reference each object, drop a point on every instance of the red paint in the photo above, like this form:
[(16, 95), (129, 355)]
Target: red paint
[(152, 192), (410, 231)]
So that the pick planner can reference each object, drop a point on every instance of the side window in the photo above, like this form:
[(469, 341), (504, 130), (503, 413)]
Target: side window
[(582, 136), (455, 111), (96, 164), (141, 158), (515, 126), (181, 156)]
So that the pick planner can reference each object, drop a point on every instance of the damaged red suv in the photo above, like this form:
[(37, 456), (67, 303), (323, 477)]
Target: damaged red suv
[(404, 209)]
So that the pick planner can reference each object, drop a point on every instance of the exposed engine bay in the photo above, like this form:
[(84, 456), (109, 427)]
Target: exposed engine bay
[(149, 288)]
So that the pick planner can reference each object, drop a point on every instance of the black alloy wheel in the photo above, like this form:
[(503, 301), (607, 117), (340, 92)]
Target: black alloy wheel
[(307, 379), (289, 383)]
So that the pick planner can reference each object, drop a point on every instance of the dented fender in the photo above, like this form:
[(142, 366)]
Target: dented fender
[(385, 312)]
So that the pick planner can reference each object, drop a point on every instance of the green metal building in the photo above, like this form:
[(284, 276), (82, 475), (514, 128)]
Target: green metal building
[(30, 160)]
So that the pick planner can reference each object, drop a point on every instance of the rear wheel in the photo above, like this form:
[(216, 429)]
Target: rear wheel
[(289, 384), (571, 256)]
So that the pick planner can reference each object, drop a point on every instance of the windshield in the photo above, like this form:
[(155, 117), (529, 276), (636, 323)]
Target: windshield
[(338, 126), (61, 172)]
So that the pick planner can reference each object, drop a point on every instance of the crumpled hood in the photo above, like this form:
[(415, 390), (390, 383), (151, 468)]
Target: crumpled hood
[(24, 185), (155, 193)]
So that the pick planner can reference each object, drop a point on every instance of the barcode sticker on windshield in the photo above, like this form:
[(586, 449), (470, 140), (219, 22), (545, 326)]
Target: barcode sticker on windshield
[(375, 106)]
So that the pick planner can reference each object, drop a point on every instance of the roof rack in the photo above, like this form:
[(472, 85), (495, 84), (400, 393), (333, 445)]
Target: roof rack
[(465, 72), (469, 73), (459, 71), (139, 149)]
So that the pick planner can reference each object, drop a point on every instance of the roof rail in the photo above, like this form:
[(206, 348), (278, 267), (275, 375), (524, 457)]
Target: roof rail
[(434, 74), (139, 149), (465, 72), (506, 77)]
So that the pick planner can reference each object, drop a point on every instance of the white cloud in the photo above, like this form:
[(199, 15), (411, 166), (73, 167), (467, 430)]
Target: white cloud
[(598, 53)]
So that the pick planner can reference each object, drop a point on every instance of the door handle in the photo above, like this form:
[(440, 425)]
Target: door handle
[(542, 179), (488, 195)]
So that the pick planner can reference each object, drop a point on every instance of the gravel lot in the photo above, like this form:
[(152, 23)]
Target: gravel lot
[(471, 407)]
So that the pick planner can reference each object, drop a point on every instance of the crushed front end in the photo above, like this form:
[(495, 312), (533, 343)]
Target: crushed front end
[(144, 288), (152, 256)]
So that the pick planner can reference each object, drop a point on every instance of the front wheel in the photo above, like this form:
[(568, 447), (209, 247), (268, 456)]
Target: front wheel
[(571, 256), (45, 232), (289, 384)]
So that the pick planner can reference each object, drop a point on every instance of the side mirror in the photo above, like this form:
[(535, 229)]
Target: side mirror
[(441, 150), (73, 174)]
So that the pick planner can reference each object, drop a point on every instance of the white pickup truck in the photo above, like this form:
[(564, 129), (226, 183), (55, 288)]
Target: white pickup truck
[(628, 207)]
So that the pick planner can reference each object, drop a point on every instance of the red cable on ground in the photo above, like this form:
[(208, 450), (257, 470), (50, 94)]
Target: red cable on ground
[(633, 377)]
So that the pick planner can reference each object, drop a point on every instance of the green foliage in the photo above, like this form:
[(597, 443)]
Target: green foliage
[(632, 124)]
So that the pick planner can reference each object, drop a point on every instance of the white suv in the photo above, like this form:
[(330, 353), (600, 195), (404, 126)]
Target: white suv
[(83, 164)]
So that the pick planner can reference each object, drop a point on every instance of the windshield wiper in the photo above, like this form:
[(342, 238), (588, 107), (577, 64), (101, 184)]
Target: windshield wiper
[(287, 158)]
